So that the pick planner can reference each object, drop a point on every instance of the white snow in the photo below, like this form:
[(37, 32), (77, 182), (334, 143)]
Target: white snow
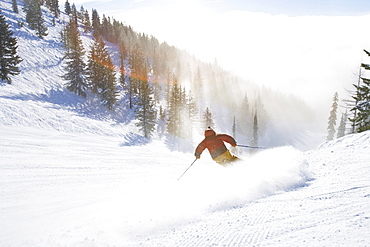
[(62, 189), (69, 179)]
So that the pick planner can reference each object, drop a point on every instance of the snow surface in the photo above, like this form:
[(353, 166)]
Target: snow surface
[(63, 189), (73, 178)]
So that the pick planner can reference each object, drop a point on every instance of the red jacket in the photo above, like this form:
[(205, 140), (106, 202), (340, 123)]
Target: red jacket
[(214, 143)]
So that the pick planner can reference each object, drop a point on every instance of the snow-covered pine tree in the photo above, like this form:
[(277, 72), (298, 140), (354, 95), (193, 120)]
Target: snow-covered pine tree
[(101, 75), (34, 17), (8, 52), (75, 66), (332, 120)]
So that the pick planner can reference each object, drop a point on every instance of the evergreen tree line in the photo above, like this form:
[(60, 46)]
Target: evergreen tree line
[(147, 79), (149, 76), (9, 58), (358, 105)]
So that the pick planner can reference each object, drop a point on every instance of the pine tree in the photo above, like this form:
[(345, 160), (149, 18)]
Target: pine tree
[(122, 77), (8, 52), (75, 65), (74, 13), (34, 17), (208, 119), (193, 108), (101, 75), (86, 22), (95, 23), (262, 116), (15, 6), (254, 141), (362, 99), (161, 125), (245, 118), (138, 73), (352, 103), (67, 8), (362, 121), (145, 109), (233, 128), (342, 126), (192, 114), (81, 14), (198, 83), (53, 6), (333, 118), (175, 104)]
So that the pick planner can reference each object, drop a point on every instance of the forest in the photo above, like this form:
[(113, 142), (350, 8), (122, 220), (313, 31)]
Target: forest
[(166, 91)]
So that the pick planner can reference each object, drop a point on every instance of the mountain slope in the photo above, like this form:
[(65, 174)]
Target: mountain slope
[(38, 97), (74, 178), (41, 88), (88, 190)]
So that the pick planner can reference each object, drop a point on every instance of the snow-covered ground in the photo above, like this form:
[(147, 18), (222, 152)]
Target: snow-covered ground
[(72, 178), (63, 189)]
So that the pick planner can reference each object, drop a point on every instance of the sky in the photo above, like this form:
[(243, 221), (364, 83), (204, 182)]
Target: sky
[(310, 49)]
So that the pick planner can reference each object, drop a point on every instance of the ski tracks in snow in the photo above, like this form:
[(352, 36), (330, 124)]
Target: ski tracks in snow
[(331, 210), (90, 190)]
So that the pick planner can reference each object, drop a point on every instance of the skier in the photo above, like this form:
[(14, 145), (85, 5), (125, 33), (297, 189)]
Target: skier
[(216, 147)]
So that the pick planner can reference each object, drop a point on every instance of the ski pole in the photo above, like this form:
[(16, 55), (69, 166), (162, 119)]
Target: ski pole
[(245, 146), (187, 169)]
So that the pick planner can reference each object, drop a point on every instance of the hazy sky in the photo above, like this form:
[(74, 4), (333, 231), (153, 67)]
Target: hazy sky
[(309, 48), (274, 7)]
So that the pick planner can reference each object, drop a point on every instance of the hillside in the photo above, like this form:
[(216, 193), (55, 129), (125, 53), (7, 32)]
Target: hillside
[(60, 189), (74, 174), (40, 89)]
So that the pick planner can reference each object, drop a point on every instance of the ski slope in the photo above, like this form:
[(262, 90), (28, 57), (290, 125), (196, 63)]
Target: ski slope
[(63, 189), (71, 177)]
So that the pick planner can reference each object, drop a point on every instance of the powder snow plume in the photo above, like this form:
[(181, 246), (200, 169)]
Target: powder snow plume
[(208, 187)]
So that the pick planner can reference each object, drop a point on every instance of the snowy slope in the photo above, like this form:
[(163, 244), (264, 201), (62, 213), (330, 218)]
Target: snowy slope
[(72, 178), (38, 97), (60, 189)]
